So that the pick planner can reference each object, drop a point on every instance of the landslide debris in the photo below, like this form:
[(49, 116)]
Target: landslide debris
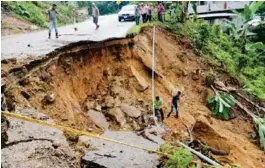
[(106, 85)]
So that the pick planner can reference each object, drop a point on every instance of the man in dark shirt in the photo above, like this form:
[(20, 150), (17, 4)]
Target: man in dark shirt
[(175, 100), (52, 20)]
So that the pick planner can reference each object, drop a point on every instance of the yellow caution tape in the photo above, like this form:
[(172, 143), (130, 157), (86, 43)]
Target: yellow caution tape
[(63, 128), (79, 132)]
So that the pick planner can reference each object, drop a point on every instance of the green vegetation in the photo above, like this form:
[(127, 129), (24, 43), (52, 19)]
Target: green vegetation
[(260, 122), (242, 34), (180, 158), (221, 105), (35, 12), (138, 28), (243, 59)]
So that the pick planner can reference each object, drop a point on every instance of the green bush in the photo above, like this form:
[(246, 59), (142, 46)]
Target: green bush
[(220, 48), (181, 158)]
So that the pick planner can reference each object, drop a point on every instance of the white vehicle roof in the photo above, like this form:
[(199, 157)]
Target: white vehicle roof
[(128, 7)]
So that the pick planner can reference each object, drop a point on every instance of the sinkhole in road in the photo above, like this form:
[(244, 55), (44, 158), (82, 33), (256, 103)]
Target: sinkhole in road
[(97, 86), (94, 87)]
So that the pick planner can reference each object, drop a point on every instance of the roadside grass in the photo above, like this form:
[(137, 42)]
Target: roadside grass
[(137, 29), (180, 157)]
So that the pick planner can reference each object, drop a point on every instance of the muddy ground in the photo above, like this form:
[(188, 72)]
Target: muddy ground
[(106, 85)]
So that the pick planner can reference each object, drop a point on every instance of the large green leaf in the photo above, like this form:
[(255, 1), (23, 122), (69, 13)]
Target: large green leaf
[(260, 122), (254, 46), (254, 6), (230, 100), (247, 13), (221, 106), (262, 136), (224, 102), (237, 13), (194, 6), (226, 113), (211, 99)]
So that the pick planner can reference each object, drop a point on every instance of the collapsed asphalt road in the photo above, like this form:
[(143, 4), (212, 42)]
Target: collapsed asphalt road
[(37, 43)]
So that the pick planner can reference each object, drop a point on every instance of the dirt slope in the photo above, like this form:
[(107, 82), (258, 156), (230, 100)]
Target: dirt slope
[(116, 74)]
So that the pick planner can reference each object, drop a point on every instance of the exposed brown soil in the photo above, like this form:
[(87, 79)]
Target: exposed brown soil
[(11, 25), (97, 70)]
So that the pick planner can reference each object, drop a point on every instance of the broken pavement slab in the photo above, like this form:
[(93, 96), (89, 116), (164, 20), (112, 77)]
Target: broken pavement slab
[(35, 146), (122, 156)]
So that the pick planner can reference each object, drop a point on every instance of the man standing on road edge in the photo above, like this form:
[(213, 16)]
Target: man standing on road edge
[(95, 14), (160, 11), (149, 13), (52, 20)]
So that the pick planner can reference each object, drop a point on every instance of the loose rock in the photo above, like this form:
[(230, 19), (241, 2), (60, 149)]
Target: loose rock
[(118, 114), (50, 98), (142, 82), (130, 110), (89, 105), (83, 141), (98, 118), (109, 101)]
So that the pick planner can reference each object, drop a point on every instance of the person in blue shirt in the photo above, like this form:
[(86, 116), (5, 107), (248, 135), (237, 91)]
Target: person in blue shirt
[(174, 105)]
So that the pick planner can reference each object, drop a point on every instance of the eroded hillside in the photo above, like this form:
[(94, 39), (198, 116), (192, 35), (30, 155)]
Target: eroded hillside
[(107, 85)]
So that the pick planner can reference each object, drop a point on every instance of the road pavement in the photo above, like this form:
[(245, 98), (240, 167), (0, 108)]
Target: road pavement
[(38, 44)]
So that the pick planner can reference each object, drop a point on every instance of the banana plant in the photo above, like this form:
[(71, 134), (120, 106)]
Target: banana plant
[(247, 15), (221, 105), (260, 122), (249, 11), (194, 6)]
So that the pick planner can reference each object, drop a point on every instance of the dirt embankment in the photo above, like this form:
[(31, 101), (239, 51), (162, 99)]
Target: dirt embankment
[(107, 85), (11, 25)]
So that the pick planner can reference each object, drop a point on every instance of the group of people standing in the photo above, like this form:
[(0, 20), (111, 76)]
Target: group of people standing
[(158, 105), (145, 11)]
